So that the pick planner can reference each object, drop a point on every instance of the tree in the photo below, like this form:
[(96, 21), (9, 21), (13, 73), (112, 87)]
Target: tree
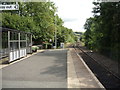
[(102, 31), (38, 18)]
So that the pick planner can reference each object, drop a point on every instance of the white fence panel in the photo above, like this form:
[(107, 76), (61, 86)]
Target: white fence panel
[(23, 52), (16, 54)]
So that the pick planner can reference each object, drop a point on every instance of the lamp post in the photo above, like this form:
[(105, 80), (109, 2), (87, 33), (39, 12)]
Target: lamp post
[(55, 33)]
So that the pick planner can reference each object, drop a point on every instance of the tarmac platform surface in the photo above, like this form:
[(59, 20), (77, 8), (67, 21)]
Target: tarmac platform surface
[(46, 69), (50, 69)]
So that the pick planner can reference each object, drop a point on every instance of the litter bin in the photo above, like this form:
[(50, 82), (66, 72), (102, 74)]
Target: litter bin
[(62, 45)]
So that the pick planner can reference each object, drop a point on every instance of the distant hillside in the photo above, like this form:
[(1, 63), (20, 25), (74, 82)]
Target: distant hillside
[(78, 33)]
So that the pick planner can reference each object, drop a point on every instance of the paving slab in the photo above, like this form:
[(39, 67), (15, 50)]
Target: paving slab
[(80, 75)]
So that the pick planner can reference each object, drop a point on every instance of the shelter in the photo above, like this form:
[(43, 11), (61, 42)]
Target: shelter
[(15, 43)]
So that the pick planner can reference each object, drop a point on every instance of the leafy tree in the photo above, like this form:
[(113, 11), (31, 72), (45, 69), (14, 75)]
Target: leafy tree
[(40, 19), (102, 31)]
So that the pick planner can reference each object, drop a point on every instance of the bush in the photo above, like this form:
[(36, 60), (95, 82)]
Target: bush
[(35, 48)]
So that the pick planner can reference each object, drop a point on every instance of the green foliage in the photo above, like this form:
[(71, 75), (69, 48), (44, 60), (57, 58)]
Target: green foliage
[(40, 19), (35, 48), (102, 31)]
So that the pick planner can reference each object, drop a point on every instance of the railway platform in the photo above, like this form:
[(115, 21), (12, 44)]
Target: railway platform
[(62, 68), (79, 75)]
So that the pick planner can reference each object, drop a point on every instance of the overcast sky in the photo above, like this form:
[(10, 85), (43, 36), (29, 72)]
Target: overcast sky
[(74, 12)]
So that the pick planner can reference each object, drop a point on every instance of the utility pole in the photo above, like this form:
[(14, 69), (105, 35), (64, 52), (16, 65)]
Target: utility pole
[(55, 34)]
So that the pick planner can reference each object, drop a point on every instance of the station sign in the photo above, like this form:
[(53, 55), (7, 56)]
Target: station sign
[(9, 7)]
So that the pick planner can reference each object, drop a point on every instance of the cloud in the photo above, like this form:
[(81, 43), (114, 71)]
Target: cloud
[(74, 12), (69, 19)]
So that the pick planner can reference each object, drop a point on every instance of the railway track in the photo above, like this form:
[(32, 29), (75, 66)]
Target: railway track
[(106, 77)]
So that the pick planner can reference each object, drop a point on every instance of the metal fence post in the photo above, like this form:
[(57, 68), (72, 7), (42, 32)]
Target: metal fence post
[(26, 45), (8, 46), (19, 43), (0, 43), (31, 43)]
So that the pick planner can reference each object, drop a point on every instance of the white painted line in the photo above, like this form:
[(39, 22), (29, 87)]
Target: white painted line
[(72, 79)]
